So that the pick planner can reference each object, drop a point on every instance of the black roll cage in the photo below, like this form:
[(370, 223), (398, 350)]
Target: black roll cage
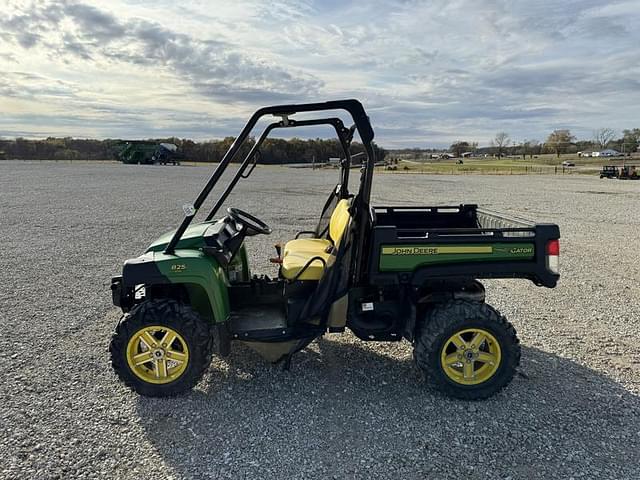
[(345, 136)]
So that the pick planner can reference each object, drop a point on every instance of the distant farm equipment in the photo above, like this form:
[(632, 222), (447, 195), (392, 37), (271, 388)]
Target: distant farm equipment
[(629, 172), (626, 172), (149, 153)]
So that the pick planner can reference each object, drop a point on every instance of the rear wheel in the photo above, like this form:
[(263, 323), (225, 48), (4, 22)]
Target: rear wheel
[(161, 348), (467, 349)]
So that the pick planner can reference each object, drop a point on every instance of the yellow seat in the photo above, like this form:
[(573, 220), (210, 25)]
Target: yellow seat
[(311, 245), (298, 252), (295, 261)]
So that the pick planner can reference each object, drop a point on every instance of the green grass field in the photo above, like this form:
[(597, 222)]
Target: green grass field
[(546, 164)]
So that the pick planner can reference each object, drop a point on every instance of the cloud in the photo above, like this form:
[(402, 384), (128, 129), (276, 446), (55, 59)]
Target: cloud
[(93, 34), (94, 24), (32, 86), (428, 72)]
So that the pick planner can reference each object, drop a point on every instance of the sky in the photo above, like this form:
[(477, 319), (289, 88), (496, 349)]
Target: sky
[(428, 72)]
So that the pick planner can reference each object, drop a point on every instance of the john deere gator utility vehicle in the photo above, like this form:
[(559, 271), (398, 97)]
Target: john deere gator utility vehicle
[(387, 273)]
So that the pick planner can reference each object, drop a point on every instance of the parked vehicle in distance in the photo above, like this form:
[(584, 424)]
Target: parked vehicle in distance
[(567, 163), (167, 153), (149, 153), (609, 171), (629, 172), (626, 172), (609, 153)]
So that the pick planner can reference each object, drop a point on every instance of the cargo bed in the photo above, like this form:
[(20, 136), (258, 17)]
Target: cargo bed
[(416, 244)]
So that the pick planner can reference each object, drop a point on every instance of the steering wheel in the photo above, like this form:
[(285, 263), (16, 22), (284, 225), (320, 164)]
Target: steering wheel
[(253, 225)]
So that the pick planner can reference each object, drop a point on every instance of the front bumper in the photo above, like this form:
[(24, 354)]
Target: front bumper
[(121, 296), (116, 290)]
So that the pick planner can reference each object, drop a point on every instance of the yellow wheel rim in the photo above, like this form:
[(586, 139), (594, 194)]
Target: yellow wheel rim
[(471, 356), (157, 354)]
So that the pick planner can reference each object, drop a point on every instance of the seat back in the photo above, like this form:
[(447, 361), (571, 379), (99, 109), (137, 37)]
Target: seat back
[(339, 221), (334, 280)]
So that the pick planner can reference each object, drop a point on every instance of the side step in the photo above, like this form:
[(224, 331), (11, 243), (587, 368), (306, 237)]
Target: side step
[(268, 323), (259, 323)]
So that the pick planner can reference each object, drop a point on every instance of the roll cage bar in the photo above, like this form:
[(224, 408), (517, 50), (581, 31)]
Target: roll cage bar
[(345, 135)]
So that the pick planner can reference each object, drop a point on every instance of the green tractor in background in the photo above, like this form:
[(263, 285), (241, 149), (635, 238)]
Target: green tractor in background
[(138, 152), (387, 273)]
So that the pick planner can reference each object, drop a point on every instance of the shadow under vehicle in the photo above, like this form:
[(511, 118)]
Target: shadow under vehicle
[(387, 273)]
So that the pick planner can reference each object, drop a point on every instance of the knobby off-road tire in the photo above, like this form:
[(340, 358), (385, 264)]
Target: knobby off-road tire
[(441, 328), (193, 341)]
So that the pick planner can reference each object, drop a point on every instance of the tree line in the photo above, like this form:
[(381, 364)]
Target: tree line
[(272, 151), (559, 141)]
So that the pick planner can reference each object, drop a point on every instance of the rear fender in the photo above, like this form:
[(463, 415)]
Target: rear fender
[(440, 292), (447, 290)]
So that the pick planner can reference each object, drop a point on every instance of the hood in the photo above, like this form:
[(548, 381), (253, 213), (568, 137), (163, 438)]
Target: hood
[(191, 238)]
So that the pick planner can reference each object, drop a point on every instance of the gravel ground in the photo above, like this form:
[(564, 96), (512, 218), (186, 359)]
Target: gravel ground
[(347, 409)]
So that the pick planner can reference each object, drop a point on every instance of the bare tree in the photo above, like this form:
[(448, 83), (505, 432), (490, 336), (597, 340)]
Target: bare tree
[(534, 147), (526, 146), (500, 142), (602, 137)]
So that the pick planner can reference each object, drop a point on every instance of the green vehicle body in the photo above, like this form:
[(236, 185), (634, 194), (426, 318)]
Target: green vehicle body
[(476, 250), (137, 152), (202, 277), (207, 282), (146, 153), (384, 271), (407, 258)]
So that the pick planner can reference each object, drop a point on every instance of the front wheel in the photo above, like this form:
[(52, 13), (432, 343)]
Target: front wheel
[(161, 348), (467, 349)]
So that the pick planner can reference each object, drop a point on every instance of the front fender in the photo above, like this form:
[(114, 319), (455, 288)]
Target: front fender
[(203, 277)]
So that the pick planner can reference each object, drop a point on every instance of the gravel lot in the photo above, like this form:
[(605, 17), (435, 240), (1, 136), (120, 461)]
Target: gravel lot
[(347, 409)]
